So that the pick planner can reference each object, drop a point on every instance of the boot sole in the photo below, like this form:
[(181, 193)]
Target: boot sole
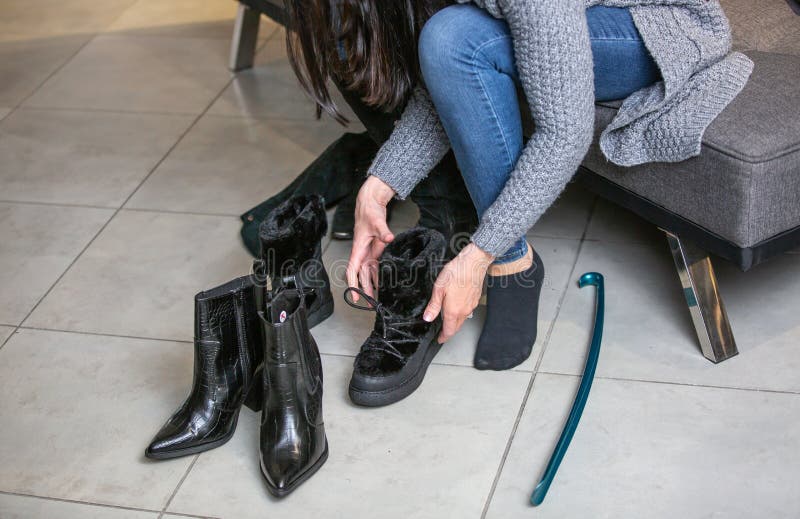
[(196, 449), (397, 393), (179, 453), (283, 492)]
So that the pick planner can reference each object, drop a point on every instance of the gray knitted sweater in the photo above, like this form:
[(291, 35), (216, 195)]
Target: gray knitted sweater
[(690, 42)]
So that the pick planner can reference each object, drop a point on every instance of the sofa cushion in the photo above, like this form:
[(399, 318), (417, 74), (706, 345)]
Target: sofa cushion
[(765, 25), (745, 185)]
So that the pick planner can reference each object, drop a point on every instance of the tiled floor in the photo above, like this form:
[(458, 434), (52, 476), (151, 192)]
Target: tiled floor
[(127, 150)]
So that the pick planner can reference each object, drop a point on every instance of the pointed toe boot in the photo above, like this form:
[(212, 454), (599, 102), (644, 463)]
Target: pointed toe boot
[(291, 248), (393, 360), (293, 445), (227, 372)]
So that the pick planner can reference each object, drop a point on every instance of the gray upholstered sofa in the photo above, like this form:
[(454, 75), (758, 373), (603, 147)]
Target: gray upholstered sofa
[(739, 200)]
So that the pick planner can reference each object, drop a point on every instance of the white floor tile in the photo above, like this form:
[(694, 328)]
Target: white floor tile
[(83, 409), (140, 276), (38, 243), (567, 217), (656, 451), (128, 73), (26, 20), (611, 223), (24, 507), (270, 89), (90, 158), (26, 63), (226, 165), (648, 333), (434, 454), (5, 333)]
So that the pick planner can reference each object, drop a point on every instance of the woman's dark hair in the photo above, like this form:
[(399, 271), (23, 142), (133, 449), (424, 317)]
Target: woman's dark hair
[(376, 38)]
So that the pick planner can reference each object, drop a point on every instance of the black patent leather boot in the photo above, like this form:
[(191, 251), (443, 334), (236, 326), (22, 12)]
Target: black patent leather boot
[(291, 247), (395, 357), (228, 361), (293, 445)]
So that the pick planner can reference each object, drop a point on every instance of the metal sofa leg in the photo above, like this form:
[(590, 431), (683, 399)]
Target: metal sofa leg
[(705, 304), (245, 36)]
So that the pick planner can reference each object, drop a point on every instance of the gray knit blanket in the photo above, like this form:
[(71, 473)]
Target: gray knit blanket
[(690, 41)]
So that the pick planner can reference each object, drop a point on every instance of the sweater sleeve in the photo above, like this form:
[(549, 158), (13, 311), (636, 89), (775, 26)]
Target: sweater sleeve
[(416, 145), (554, 62)]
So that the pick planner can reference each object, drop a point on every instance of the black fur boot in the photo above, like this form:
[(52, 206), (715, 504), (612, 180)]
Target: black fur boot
[(292, 443), (228, 360), (290, 238), (393, 360)]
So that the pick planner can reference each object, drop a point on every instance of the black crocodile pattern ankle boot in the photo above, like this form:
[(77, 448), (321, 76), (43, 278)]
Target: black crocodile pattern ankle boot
[(293, 445), (395, 357), (291, 247), (227, 372)]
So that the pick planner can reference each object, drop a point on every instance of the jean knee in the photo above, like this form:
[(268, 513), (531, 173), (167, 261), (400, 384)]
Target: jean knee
[(438, 40), (450, 37)]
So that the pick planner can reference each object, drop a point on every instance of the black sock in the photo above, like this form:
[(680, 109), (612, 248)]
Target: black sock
[(512, 309)]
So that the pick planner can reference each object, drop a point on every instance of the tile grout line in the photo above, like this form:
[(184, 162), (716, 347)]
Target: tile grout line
[(76, 501), (532, 380), (683, 384), (178, 486), (107, 208), (56, 204), (103, 334), (446, 364), (92, 36), (668, 383), (182, 341), (127, 199)]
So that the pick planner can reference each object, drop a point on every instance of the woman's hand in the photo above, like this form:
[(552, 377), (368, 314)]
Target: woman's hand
[(371, 234), (457, 290)]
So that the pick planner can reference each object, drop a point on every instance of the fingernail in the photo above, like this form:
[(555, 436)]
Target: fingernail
[(427, 317)]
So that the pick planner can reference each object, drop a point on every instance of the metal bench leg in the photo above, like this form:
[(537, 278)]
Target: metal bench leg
[(245, 36), (705, 304)]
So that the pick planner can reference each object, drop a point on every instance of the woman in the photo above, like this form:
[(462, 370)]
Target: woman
[(669, 60)]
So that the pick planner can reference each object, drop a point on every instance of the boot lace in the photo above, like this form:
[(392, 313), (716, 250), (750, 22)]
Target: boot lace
[(392, 326)]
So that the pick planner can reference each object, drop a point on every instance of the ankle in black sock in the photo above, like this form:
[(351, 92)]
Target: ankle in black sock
[(512, 308)]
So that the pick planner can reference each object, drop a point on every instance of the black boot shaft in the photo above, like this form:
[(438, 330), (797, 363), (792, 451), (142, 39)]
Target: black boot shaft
[(291, 247), (292, 439), (407, 271), (227, 337), (227, 369)]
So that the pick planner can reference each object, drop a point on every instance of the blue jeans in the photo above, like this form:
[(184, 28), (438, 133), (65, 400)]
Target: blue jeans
[(467, 61)]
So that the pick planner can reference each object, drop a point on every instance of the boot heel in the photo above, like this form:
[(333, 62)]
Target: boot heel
[(255, 396)]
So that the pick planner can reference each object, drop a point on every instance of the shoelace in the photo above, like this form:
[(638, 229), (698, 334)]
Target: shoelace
[(389, 322)]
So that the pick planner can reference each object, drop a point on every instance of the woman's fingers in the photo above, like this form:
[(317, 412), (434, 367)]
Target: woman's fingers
[(435, 304), (451, 324), (365, 277), (382, 231)]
